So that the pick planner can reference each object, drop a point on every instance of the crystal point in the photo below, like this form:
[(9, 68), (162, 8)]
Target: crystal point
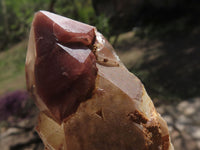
[(87, 98)]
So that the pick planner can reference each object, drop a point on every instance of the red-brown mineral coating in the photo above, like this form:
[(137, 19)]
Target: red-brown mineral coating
[(64, 75), (76, 32), (115, 115)]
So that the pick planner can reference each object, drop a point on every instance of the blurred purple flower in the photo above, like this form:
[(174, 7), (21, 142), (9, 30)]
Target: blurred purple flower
[(14, 104)]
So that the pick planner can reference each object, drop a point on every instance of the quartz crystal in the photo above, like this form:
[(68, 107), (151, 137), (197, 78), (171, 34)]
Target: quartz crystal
[(87, 98)]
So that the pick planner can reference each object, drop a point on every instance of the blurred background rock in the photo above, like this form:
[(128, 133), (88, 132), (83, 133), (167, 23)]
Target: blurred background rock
[(157, 40)]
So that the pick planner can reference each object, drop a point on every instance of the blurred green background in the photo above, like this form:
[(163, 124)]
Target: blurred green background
[(157, 40)]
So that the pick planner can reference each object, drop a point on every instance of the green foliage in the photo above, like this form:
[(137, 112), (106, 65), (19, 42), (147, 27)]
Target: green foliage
[(17, 16), (161, 30), (102, 24), (12, 64), (83, 11)]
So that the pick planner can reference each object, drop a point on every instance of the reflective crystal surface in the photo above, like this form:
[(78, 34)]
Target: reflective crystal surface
[(87, 98)]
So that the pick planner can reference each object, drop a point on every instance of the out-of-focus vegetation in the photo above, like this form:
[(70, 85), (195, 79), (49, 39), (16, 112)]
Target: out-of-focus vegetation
[(12, 64), (15, 104), (111, 17), (16, 16)]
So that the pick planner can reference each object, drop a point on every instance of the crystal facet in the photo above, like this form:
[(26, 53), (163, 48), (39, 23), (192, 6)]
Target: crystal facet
[(87, 98)]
